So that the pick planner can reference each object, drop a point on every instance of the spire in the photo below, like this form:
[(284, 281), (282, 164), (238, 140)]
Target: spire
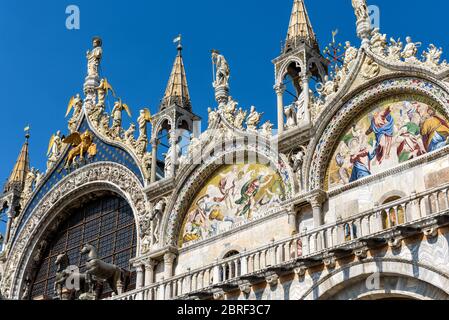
[(300, 27), (21, 168), (177, 92)]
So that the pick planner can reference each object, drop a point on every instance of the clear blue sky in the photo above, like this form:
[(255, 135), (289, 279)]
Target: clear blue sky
[(42, 63)]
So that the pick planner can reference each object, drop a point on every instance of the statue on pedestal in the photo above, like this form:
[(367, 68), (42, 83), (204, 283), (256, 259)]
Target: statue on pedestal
[(94, 58)]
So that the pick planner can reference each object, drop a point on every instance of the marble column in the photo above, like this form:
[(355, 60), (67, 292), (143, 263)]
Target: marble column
[(293, 220), (305, 88), (154, 145), (140, 276), (174, 154), (280, 90), (149, 272), (316, 201)]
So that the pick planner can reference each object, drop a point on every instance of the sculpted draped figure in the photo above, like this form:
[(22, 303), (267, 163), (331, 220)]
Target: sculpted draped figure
[(410, 50), (94, 58), (223, 71), (253, 119)]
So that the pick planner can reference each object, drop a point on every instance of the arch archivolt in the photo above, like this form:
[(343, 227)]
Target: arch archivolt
[(283, 69), (98, 177), (330, 131), (193, 178), (397, 278)]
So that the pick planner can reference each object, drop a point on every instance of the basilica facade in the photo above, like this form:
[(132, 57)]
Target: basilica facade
[(346, 199)]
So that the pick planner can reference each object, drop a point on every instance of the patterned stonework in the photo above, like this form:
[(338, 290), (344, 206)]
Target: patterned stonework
[(99, 176)]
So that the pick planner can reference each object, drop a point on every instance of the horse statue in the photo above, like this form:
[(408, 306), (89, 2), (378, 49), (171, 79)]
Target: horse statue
[(63, 273), (100, 270)]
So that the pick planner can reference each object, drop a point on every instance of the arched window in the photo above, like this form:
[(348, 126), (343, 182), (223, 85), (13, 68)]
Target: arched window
[(106, 223)]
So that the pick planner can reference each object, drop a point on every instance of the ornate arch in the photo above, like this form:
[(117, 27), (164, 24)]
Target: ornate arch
[(192, 178), (330, 131), (158, 125), (349, 282), (283, 69), (95, 177)]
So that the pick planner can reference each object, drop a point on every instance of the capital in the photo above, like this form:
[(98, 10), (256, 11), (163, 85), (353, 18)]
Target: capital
[(317, 198), (279, 88), (169, 258)]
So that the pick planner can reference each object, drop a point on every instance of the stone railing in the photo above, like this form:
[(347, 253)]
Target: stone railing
[(379, 223)]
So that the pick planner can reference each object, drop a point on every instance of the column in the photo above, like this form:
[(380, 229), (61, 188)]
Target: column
[(316, 201), (216, 274), (140, 276), (280, 90), (154, 146), (174, 154), (149, 272), (292, 220), (169, 259), (8, 227), (244, 265), (305, 88)]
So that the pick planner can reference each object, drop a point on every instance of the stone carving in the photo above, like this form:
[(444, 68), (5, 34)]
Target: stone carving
[(54, 150), (370, 69), (76, 103), (223, 71), (94, 58), (213, 117), (169, 161), (432, 56), (350, 56), (143, 120), (29, 183), (290, 114), (328, 89), (156, 217), (253, 119), (146, 164), (230, 110), (360, 9), (267, 129), (395, 50), (410, 50), (130, 140), (378, 42), (239, 119)]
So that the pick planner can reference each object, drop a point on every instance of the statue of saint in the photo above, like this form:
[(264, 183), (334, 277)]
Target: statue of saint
[(410, 50), (253, 119), (94, 58), (223, 71)]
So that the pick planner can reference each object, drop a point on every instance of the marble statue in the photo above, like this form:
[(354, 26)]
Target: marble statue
[(395, 49), (29, 182), (350, 56), (156, 217), (432, 56), (54, 150), (240, 118), (253, 119), (290, 114), (230, 109), (410, 50), (370, 69), (94, 58), (328, 88), (147, 161), (76, 103), (169, 157), (129, 135), (223, 71), (378, 42), (213, 117), (143, 120), (267, 129)]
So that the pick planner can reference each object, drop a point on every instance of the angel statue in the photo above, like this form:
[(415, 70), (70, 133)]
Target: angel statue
[(223, 71), (103, 90), (94, 58), (240, 118), (117, 117), (253, 119), (75, 104), (410, 50), (143, 120), (81, 144), (54, 149), (267, 129)]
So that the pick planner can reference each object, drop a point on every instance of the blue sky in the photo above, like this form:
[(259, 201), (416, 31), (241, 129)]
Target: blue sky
[(43, 64)]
